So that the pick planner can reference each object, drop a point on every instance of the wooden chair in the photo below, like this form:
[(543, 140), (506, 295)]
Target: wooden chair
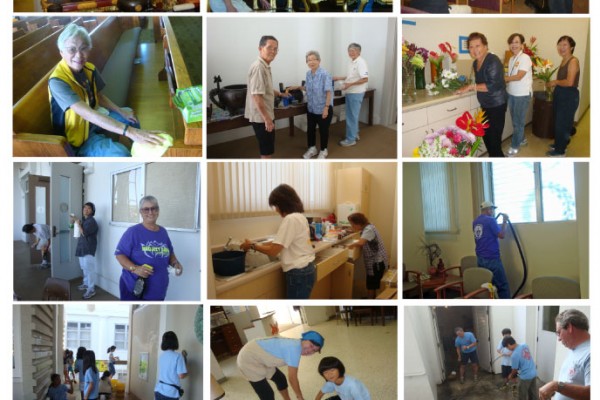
[(57, 289), (553, 287), (471, 282), (409, 285)]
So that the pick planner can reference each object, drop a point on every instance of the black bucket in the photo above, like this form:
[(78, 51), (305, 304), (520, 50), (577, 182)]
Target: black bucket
[(229, 263)]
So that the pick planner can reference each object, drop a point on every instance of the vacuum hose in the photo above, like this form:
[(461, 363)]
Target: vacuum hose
[(512, 229)]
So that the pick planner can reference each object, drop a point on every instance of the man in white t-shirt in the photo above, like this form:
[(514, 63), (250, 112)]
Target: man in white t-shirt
[(575, 379), (355, 86)]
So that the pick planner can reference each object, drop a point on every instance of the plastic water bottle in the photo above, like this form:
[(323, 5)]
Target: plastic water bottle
[(318, 229)]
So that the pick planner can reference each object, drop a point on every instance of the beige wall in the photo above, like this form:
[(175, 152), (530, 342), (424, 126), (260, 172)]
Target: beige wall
[(429, 32), (551, 248)]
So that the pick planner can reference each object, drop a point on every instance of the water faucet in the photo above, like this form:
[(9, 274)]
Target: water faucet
[(226, 247)]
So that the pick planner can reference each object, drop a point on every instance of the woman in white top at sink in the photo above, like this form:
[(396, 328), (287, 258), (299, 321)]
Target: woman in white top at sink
[(292, 243)]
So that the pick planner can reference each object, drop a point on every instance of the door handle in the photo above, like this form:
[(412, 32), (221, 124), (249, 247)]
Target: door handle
[(53, 231)]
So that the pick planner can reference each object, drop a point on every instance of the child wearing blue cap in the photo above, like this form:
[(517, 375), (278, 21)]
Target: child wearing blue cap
[(259, 360), (346, 386)]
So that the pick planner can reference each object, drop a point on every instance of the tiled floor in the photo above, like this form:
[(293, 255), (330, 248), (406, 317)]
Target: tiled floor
[(369, 353), (537, 147), (29, 279)]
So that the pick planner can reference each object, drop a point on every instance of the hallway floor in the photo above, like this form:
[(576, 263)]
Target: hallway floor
[(486, 388), (29, 279), (368, 353)]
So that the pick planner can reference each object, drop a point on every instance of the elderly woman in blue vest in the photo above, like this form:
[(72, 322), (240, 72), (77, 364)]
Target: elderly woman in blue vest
[(260, 360), (374, 253), (80, 111)]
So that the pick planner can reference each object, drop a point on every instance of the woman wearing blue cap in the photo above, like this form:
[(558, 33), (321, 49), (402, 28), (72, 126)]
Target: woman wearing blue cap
[(259, 360)]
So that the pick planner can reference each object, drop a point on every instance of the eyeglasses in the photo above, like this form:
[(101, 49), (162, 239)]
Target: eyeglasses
[(147, 210), (74, 50)]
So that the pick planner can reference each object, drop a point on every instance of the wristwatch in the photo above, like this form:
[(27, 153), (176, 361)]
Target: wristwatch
[(561, 386), (132, 268)]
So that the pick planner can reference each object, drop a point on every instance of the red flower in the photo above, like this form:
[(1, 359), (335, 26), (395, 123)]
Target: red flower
[(453, 151), (474, 125)]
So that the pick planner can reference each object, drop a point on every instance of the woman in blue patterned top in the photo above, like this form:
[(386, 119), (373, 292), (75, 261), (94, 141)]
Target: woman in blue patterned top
[(319, 97)]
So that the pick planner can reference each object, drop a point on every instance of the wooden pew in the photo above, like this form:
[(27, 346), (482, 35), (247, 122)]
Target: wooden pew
[(23, 43), (32, 126), (35, 62)]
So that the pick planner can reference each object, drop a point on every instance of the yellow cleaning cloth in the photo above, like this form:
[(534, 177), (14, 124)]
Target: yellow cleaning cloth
[(150, 150)]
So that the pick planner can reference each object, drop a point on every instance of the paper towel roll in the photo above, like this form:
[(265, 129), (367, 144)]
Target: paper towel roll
[(76, 231)]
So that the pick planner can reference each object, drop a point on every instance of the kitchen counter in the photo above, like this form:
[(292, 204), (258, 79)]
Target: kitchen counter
[(269, 277), (424, 100)]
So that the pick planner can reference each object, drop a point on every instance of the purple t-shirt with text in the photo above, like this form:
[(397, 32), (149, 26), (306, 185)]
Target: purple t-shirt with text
[(143, 246)]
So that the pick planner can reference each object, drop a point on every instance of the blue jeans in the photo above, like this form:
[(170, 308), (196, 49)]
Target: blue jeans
[(300, 282), (565, 103), (561, 6), (353, 103), (158, 396), (99, 145), (518, 106), (499, 280)]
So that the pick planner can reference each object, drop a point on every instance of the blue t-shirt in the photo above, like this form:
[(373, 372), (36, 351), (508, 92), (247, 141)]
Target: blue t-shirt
[(486, 230), (576, 368), (289, 350), (58, 393), (505, 352), (170, 365), (350, 389), (91, 377), (466, 340), (79, 368), (521, 359), (317, 86), (143, 246)]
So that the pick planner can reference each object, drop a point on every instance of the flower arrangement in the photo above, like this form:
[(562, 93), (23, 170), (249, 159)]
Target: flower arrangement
[(413, 56), (446, 48), (531, 50), (449, 80), (461, 140), (544, 69)]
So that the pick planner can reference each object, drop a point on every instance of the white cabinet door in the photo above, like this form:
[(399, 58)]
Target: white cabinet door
[(414, 119), (450, 109), (412, 139)]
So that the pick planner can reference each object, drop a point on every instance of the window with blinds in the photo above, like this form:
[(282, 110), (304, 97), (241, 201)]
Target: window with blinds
[(533, 192), (176, 186), (439, 197), (241, 189)]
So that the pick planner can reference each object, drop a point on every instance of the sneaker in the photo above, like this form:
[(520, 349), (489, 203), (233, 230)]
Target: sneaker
[(512, 152), (553, 145), (44, 263), (323, 154), (524, 142), (357, 137), (82, 288), (346, 143), (553, 153), (89, 295), (310, 153)]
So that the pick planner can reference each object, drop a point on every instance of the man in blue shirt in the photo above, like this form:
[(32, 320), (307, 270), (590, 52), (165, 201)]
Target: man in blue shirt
[(522, 363), (466, 348), (487, 246)]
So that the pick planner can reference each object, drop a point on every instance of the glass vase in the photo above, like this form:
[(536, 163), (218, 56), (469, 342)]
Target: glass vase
[(409, 91), (549, 94), (420, 78)]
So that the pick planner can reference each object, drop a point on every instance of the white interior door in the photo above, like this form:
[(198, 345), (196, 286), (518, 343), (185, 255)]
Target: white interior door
[(482, 333), (66, 188), (546, 343)]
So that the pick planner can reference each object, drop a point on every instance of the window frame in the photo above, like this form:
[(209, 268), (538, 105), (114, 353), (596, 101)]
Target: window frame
[(143, 173), (452, 201), (79, 331)]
